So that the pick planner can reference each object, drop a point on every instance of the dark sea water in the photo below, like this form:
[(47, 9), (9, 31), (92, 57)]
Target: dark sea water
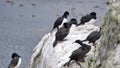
[(24, 22)]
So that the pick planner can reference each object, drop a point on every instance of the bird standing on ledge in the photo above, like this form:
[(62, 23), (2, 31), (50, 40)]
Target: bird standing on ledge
[(61, 33), (60, 20), (15, 62), (79, 54), (93, 37), (87, 18)]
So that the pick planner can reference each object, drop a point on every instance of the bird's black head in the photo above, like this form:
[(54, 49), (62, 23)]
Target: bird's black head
[(93, 14), (81, 43), (78, 41), (14, 55), (66, 25), (73, 21), (66, 13)]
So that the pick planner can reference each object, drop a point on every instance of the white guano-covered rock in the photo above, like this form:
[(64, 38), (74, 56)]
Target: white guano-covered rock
[(45, 56)]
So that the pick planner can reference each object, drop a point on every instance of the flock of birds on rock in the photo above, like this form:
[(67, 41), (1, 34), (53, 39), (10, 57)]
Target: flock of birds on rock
[(63, 28)]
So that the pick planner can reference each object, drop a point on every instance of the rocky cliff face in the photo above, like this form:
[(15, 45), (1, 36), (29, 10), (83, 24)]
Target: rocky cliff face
[(106, 54)]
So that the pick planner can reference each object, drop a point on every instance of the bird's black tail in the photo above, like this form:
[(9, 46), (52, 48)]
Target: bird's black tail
[(55, 43)]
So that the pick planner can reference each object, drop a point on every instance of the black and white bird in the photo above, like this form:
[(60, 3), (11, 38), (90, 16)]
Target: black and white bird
[(60, 20), (79, 54), (16, 61), (93, 37), (73, 21), (87, 18), (61, 33)]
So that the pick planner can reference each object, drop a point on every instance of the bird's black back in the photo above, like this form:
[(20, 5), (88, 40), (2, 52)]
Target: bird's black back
[(85, 18), (61, 33), (92, 37), (77, 54), (58, 22)]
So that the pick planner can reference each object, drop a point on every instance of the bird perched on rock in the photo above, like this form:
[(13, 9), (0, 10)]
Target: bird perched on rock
[(61, 20), (15, 62), (73, 21), (87, 18), (93, 37), (61, 33), (79, 54)]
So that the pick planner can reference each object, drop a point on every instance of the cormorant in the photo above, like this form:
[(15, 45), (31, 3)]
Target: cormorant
[(87, 18), (79, 54), (61, 20), (61, 33), (93, 37), (15, 62)]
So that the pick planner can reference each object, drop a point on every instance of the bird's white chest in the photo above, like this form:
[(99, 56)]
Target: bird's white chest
[(64, 20), (19, 62)]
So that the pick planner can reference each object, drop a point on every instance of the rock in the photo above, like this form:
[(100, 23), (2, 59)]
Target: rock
[(108, 52), (45, 56)]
